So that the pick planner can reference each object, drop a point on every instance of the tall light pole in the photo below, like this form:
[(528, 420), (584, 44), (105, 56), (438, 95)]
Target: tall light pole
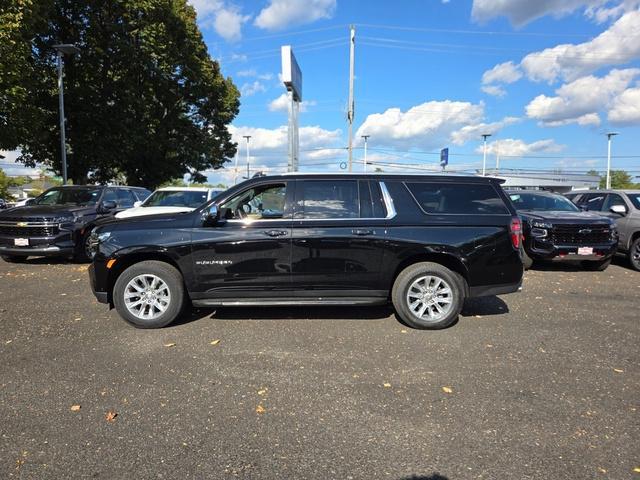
[(351, 113), (365, 151), (484, 155), (609, 135), (247, 137), (63, 49)]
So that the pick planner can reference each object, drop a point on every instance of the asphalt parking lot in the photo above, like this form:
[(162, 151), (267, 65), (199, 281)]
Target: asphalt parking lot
[(538, 385)]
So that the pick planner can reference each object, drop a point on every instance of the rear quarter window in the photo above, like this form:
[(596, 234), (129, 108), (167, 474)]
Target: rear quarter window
[(457, 199)]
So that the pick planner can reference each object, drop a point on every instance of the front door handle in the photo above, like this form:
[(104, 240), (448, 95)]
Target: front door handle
[(362, 233), (276, 233)]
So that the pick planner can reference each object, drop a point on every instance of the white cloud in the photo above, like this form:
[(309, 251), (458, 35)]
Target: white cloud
[(428, 125), (265, 139), (625, 109), (474, 132), (281, 14), (581, 100), (520, 12), (616, 46), (281, 104), (225, 19), (495, 90), (251, 88), (506, 72), (511, 147), (246, 73), (604, 13)]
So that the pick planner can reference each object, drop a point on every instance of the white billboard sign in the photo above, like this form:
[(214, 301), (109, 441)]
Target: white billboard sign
[(291, 73)]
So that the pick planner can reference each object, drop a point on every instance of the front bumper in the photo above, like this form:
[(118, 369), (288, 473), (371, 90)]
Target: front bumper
[(559, 253), (98, 280), (61, 245)]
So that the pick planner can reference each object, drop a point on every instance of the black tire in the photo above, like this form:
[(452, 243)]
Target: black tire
[(413, 273), (634, 254), (14, 258), (174, 284), (81, 252), (527, 261), (600, 266)]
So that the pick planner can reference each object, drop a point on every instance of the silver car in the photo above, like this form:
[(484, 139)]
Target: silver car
[(624, 207)]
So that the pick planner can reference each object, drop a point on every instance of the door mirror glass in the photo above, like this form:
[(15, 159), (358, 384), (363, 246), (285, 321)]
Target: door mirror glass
[(31, 201), (619, 209), (211, 215), (108, 205)]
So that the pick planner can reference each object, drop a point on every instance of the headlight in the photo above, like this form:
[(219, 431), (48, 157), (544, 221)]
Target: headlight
[(538, 232), (541, 224), (63, 220)]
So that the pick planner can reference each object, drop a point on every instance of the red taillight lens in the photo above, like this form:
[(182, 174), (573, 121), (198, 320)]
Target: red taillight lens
[(516, 232)]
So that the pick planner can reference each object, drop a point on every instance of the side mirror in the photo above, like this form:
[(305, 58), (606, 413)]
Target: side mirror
[(108, 205), (137, 204), (619, 209), (212, 215), (583, 207), (31, 201)]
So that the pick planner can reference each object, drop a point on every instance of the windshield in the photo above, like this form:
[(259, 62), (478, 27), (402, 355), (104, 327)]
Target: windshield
[(545, 203), (176, 198), (79, 196), (635, 199)]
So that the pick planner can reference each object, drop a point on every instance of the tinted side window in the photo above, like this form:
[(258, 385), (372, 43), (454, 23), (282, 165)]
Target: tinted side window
[(593, 201), (366, 207), (613, 199), (379, 208), (125, 198), (263, 202), (460, 199), (327, 199), (110, 196), (141, 194)]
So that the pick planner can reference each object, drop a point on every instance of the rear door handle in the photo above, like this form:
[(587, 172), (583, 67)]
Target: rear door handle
[(362, 233), (276, 233)]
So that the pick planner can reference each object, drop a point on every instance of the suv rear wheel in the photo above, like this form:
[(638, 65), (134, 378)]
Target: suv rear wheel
[(149, 294), (428, 295), (634, 254)]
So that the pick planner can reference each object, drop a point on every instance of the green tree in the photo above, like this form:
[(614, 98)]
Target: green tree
[(6, 182), (143, 99), (619, 179)]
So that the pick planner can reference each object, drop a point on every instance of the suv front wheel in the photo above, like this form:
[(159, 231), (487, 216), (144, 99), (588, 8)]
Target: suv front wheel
[(634, 254), (428, 295), (149, 294)]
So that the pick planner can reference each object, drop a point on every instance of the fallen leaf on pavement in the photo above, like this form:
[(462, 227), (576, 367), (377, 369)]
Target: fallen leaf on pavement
[(447, 389), (260, 409), (262, 392), (637, 469), (169, 344), (215, 342), (618, 370), (111, 416), (75, 408), (386, 385)]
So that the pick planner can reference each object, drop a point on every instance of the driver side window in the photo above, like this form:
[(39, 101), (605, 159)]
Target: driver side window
[(262, 202)]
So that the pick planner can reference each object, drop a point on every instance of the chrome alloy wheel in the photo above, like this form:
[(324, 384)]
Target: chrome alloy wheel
[(429, 298), (635, 255), (147, 296)]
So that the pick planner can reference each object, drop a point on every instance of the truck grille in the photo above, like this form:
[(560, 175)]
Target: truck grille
[(580, 234), (31, 229)]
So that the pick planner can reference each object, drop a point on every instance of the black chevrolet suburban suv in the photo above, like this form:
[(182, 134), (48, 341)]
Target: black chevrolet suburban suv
[(555, 229), (425, 243), (59, 221)]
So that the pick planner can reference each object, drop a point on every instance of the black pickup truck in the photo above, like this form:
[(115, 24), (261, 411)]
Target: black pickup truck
[(555, 229), (58, 222), (422, 242)]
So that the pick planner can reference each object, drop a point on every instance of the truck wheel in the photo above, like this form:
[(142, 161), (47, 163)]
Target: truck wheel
[(634, 254), (597, 266), (14, 258), (149, 294), (82, 252), (428, 295)]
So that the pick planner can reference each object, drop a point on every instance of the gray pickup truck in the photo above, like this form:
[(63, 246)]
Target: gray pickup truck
[(621, 205)]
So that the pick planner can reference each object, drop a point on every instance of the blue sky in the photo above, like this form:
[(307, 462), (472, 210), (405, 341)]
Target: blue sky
[(547, 79)]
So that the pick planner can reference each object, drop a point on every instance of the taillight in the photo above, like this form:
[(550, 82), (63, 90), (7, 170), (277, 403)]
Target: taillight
[(516, 232)]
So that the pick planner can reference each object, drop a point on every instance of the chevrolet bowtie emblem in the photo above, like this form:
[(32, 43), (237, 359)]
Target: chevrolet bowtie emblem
[(22, 224)]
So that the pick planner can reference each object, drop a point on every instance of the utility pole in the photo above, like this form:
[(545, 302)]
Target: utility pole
[(235, 174), (609, 135), (62, 49), (365, 151), (484, 155), (351, 113), (497, 156), (247, 137)]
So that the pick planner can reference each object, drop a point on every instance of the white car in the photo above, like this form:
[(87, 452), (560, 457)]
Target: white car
[(171, 200)]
